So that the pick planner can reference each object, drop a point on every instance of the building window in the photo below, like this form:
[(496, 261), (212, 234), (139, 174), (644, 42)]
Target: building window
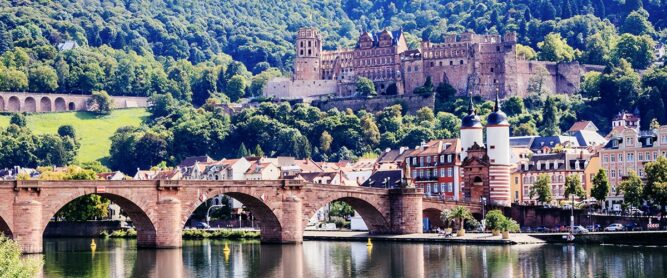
[(491, 69), (428, 160), (443, 187), (414, 161), (613, 158), (461, 62), (421, 161), (613, 173), (442, 158), (631, 157), (629, 141), (450, 172), (449, 158), (451, 63), (516, 180), (620, 157), (605, 158), (641, 157)]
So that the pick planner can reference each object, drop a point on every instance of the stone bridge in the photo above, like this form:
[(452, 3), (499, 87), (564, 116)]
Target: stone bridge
[(43, 102), (159, 209)]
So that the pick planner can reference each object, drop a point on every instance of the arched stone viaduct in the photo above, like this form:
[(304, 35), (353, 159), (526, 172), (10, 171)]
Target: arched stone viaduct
[(159, 209), (42, 102)]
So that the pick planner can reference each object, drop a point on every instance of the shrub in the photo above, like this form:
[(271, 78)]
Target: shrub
[(509, 225), (493, 219), (11, 262)]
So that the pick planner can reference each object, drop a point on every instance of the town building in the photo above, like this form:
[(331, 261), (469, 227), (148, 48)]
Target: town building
[(435, 168)]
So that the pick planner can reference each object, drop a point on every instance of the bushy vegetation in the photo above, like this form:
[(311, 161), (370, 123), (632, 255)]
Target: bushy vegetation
[(218, 234), (12, 264), (129, 233)]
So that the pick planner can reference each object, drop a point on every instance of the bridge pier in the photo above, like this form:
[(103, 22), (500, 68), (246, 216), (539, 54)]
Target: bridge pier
[(292, 221), (168, 230), (406, 211), (28, 226)]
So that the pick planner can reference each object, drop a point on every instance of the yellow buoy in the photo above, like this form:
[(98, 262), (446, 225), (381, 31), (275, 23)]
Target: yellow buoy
[(369, 244), (226, 249), (93, 246)]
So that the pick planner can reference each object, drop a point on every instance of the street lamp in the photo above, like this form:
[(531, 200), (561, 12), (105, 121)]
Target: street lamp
[(208, 218)]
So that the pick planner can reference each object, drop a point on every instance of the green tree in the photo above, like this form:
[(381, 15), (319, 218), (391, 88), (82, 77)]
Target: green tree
[(541, 189), (493, 219), (370, 130), (67, 131), (13, 264), (637, 24), (43, 79), (513, 106), (18, 119), (550, 120), (243, 151), (601, 187), (525, 52), (638, 50), (460, 214), (656, 177), (100, 102), (632, 189), (87, 207), (236, 87), (445, 95), (573, 187), (365, 87), (258, 151), (555, 48), (340, 209), (525, 129), (12, 79)]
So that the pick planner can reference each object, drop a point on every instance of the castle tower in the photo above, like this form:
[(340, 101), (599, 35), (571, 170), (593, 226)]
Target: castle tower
[(307, 63), (471, 130), (498, 150)]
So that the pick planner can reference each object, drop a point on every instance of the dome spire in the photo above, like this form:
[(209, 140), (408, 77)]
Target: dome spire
[(471, 107), (496, 108)]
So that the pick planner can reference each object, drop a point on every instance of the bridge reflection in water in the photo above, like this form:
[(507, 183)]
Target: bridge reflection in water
[(119, 258)]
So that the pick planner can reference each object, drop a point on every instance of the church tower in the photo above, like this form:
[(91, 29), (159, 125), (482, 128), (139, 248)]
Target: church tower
[(498, 150), (471, 130), (308, 59)]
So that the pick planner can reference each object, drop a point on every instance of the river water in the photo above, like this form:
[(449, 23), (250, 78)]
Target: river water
[(208, 258)]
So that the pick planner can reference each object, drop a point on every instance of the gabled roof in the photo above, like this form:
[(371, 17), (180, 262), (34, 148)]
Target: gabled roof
[(395, 37), (191, 160), (589, 138), (385, 179), (583, 125), (553, 141), (436, 147)]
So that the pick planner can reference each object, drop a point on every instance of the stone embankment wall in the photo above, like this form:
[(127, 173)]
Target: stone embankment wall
[(537, 216), (43, 102), (411, 103), (80, 229)]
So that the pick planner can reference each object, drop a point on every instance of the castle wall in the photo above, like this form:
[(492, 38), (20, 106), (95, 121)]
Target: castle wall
[(413, 103), (47, 102), (286, 88), (560, 78)]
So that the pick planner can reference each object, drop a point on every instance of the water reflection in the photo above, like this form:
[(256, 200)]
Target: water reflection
[(208, 258)]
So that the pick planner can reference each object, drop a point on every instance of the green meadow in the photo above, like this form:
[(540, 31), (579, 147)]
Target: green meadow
[(93, 131)]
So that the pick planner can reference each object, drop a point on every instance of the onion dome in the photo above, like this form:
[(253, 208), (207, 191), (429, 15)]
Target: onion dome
[(498, 117), (471, 120)]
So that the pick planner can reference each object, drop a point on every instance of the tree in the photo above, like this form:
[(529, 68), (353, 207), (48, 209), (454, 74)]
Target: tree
[(236, 87), (601, 187), (43, 79), (365, 87), (18, 119), (637, 24), (243, 151), (550, 120), (325, 141), (632, 189), (461, 214), (67, 131), (258, 151), (656, 177), (573, 187), (87, 207), (508, 225), (513, 106), (13, 264), (525, 52), (638, 50), (541, 189), (100, 102), (370, 130), (555, 48), (12, 79), (340, 209), (525, 129), (445, 95), (493, 219)]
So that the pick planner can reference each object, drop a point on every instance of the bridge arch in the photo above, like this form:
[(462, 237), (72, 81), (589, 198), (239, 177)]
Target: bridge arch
[(30, 105), (134, 208), (45, 104), (373, 209), (264, 212), (14, 104), (4, 228), (60, 104)]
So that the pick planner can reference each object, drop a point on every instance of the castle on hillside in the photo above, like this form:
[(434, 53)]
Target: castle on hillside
[(472, 64)]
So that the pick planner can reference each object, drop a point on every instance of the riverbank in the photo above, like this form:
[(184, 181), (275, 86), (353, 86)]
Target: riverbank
[(648, 238), (469, 238)]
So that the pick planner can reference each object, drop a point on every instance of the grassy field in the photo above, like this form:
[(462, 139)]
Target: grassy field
[(93, 131)]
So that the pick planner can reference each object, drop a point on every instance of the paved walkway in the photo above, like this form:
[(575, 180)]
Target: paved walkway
[(469, 238)]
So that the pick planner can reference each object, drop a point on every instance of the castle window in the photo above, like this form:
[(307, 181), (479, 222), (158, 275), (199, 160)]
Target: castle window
[(301, 44), (309, 52), (491, 69), (498, 48), (441, 63), (461, 62), (301, 52), (308, 43), (451, 63), (416, 68), (431, 64), (495, 81)]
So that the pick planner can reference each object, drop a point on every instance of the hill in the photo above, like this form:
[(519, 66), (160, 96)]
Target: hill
[(92, 131)]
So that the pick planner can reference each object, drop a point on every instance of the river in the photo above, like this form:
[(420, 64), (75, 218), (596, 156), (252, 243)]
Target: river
[(208, 258)]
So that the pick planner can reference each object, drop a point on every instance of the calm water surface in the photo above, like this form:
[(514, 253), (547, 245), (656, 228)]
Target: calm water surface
[(207, 258)]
